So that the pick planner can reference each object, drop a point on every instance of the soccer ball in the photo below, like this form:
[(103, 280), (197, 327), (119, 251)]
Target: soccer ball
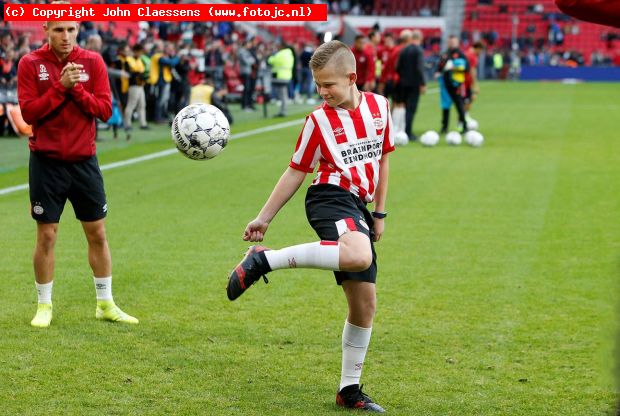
[(200, 131), (472, 124), (474, 138), (454, 138), (401, 138), (430, 138)]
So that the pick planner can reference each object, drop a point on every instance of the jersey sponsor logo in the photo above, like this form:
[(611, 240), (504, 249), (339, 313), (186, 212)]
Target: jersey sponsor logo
[(38, 209), (367, 150), (43, 74), (84, 76)]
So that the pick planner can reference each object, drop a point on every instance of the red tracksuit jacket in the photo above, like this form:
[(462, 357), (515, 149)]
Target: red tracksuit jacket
[(63, 120), (603, 12)]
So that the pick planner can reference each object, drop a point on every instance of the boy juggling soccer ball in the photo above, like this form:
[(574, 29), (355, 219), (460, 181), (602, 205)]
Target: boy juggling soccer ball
[(349, 136)]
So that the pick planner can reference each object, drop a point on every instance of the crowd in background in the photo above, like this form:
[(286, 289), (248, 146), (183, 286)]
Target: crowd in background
[(156, 69)]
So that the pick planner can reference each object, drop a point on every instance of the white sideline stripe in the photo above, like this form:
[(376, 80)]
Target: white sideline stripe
[(24, 186), (15, 188)]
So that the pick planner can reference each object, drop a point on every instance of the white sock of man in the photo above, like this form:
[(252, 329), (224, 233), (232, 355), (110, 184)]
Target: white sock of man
[(398, 119), (318, 255), (44, 291), (355, 342), (103, 287)]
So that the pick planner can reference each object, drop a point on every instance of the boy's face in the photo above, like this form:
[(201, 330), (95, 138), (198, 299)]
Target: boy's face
[(334, 84)]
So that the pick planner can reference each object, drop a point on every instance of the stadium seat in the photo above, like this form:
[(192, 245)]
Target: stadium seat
[(535, 17)]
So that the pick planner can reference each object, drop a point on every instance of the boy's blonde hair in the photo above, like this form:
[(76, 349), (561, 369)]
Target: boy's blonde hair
[(334, 52)]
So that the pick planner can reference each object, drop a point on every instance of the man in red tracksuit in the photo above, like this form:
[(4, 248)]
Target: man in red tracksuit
[(62, 89)]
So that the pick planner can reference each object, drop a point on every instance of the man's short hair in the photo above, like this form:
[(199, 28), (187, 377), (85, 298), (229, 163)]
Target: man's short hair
[(56, 2), (332, 50)]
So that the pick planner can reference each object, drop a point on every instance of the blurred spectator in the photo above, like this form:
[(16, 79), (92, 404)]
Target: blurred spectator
[(135, 98), (180, 87), (412, 81), (161, 68), (498, 64), (282, 63), (307, 87), (292, 85), (385, 85), (247, 71), (214, 62), (374, 46), (6, 42), (8, 70), (365, 64), (120, 63)]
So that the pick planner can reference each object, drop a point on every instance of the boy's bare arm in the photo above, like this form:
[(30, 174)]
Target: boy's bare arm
[(289, 183), (381, 194)]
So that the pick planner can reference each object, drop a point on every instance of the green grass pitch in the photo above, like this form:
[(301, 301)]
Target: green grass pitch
[(497, 287)]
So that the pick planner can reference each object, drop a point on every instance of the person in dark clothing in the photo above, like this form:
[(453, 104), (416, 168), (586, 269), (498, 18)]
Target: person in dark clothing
[(180, 89), (247, 71), (451, 73), (412, 82)]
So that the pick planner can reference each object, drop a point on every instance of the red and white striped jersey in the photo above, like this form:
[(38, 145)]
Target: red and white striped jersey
[(347, 144)]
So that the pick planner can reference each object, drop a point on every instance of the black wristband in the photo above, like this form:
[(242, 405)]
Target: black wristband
[(379, 215)]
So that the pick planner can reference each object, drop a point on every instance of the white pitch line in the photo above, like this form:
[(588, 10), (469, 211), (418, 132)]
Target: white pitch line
[(114, 165), (15, 188)]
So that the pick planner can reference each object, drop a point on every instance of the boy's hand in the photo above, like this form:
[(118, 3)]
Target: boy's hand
[(378, 228), (255, 230)]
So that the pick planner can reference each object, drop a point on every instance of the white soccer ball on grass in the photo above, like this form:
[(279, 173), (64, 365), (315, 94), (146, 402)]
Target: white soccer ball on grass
[(429, 138), (401, 138), (200, 131), (454, 138), (474, 138), (472, 124)]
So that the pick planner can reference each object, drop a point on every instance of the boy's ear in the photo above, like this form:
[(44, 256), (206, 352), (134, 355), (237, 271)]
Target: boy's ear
[(352, 78)]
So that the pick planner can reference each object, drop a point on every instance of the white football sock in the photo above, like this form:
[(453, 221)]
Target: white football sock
[(44, 291), (318, 255), (355, 342), (103, 287), (398, 119)]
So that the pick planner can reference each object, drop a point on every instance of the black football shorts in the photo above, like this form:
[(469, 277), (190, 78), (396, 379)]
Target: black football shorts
[(332, 211), (54, 181)]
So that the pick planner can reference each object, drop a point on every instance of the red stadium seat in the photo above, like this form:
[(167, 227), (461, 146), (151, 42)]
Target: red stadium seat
[(578, 36)]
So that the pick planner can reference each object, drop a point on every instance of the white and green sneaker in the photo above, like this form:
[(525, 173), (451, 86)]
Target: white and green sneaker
[(43, 318), (108, 311)]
